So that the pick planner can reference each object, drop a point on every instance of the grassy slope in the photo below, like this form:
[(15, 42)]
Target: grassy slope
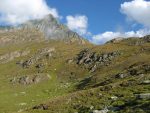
[(64, 99), (11, 96)]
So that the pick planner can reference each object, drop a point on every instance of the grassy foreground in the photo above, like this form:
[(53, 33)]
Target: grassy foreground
[(72, 87)]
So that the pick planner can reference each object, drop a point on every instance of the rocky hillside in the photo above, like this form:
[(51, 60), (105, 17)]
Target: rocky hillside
[(46, 68)]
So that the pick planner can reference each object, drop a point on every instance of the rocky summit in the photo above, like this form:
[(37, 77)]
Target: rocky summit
[(52, 29), (47, 68), (41, 29)]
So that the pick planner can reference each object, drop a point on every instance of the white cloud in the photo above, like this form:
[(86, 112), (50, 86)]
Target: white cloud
[(106, 36), (78, 23), (18, 11), (137, 10)]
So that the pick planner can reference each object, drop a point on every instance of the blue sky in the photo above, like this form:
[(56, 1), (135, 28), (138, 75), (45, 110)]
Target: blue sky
[(102, 14), (96, 20), (108, 19)]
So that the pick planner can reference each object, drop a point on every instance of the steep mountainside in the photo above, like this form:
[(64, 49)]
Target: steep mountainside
[(38, 30), (66, 74), (51, 28)]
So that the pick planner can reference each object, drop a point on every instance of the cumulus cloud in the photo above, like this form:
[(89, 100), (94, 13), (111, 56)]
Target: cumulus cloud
[(78, 23), (18, 11), (106, 36), (137, 10)]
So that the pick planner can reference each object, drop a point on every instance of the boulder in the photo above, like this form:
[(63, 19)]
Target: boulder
[(146, 82), (27, 63), (101, 111), (143, 96), (39, 66), (114, 98), (69, 61), (41, 107), (121, 75)]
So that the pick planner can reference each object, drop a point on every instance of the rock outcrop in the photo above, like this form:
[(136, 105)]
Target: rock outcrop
[(92, 60), (147, 38), (133, 41), (116, 40), (43, 53), (12, 55), (30, 79), (135, 70)]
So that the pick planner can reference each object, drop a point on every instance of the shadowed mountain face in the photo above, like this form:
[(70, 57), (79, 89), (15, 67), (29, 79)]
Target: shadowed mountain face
[(47, 68)]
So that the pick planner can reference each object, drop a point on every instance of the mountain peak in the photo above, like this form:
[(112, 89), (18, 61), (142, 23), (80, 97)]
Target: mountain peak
[(49, 17), (52, 29)]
